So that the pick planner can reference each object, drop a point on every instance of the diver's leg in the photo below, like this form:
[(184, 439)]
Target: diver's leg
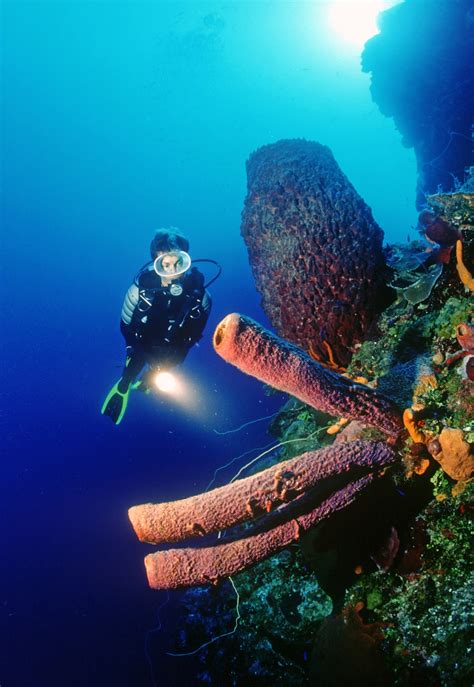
[(116, 401), (133, 367)]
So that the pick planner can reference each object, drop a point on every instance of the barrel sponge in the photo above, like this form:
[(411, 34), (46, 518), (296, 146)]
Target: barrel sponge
[(314, 248)]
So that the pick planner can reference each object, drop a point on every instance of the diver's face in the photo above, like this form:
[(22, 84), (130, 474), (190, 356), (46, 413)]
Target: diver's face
[(170, 263)]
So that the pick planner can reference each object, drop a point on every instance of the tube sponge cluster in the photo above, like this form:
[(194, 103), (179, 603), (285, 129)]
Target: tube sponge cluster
[(284, 501)]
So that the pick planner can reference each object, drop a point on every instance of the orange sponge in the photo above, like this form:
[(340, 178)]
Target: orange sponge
[(464, 274)]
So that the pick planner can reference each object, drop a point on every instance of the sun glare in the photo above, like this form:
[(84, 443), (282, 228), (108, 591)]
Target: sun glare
[(355, 21)]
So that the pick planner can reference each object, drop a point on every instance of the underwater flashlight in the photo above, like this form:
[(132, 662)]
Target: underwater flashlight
[(166, 382)]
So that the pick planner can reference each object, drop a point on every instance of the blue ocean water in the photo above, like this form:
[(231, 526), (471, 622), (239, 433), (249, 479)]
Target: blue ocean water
[(119, 118)]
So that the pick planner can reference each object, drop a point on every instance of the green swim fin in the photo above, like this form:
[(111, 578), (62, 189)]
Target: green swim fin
[(116, 403)]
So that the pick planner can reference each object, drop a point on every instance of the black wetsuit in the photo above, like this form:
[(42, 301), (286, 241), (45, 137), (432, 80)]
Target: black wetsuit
[(161, 323)]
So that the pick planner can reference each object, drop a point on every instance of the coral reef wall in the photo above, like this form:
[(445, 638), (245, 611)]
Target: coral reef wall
[(421, 68), (314, 247)]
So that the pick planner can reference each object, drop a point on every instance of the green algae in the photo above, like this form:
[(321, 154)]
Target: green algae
[(420, 287), (455, 311)]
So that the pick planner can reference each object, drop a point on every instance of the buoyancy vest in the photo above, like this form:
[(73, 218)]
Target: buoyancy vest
[(168, 316)]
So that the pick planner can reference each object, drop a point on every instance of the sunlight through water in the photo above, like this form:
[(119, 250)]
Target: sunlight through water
[(355, 21)]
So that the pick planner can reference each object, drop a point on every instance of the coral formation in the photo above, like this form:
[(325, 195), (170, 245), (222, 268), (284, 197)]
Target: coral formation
[(437, 230), (456, 456), (464, 274), (385, 556), (409, 420), (465, 336), (256, 351), (314, 248), (346, 635), (424, 602), (279, 608), (400, 578)]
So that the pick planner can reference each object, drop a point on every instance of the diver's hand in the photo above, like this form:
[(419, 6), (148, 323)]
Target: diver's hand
[(129, 351)]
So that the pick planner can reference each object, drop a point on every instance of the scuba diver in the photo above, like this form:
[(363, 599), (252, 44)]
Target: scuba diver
[(164, 314)]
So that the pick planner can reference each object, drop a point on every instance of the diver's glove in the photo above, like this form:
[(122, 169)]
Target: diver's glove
[(143, 385), (116, 403)]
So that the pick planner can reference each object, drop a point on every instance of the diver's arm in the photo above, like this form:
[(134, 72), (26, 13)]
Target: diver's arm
[(206, 310), (207, 303), (130, 303), (128, 308), (195, 325)]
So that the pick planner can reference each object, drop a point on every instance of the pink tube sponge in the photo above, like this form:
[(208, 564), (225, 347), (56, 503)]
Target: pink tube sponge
[(260, 353), (253, 496), (188, 567)]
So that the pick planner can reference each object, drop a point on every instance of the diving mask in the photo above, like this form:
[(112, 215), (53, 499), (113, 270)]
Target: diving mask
[(172, 264)]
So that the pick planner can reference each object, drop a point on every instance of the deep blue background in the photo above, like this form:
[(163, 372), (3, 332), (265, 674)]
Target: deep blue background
[(119, 118)]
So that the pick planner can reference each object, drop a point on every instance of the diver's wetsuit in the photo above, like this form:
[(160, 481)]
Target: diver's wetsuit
[(161, 323)]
